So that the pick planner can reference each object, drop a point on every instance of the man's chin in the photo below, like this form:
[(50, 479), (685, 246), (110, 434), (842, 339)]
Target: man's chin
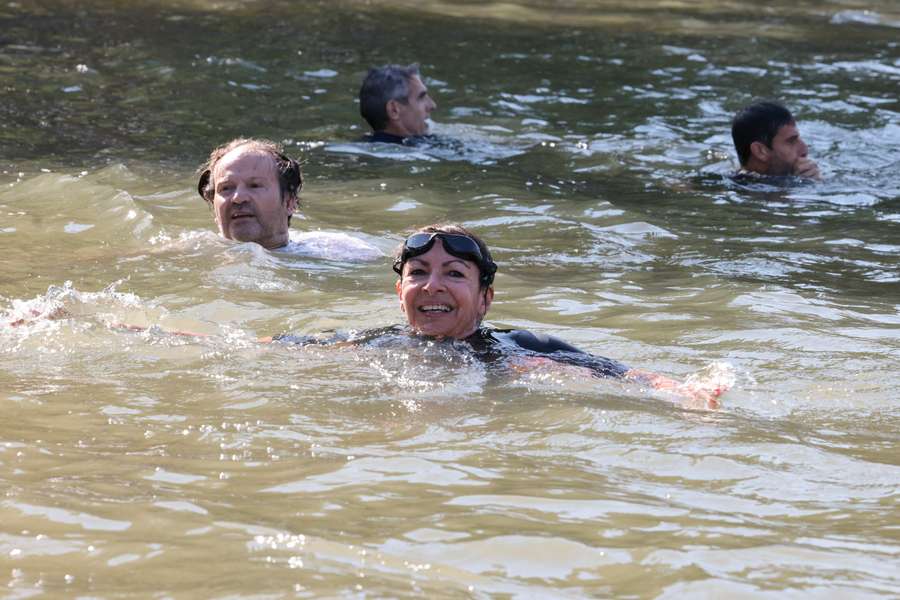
[(244, 232)]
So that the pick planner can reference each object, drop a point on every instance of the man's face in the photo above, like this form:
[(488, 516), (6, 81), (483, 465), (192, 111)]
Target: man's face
[(787, 148), (410, 118), (248, 203)]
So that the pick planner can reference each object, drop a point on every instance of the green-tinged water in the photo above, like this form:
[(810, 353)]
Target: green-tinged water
[(590, 147)]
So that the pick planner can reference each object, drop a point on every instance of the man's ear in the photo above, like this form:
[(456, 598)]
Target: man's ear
[(392, 109), (760, 151), (290, 203)]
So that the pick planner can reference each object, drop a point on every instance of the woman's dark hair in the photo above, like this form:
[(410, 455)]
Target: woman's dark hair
[(290, 177)]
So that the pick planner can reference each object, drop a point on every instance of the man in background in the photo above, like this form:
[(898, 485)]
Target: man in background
[(768, 142), (395, 103)]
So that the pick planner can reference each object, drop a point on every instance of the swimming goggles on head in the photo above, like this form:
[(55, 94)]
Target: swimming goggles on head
[(460, 246)]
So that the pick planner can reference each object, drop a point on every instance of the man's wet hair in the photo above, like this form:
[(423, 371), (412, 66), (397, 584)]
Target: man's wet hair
[(381, 85), (290, 177), (758, 122)]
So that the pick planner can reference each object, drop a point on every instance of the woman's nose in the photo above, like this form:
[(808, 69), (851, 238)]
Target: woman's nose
[(435, 283)]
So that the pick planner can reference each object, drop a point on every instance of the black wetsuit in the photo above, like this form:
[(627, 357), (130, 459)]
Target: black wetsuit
[(384, 138), (750, 178), (389, 138), (487, 344)]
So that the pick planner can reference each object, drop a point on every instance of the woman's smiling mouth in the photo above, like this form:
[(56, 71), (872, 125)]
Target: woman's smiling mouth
[(435, 308)]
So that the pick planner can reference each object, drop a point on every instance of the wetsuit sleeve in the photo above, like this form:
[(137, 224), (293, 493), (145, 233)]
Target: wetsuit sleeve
[(356, 338), (297, 340), (563, 352)]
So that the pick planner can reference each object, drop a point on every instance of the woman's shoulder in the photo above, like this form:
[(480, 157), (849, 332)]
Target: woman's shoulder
[(557, 349), (528, 340)]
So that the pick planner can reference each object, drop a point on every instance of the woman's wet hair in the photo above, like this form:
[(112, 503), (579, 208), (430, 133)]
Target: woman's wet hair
[(487, 268), (290, 177), (381, 85), (758, 122)]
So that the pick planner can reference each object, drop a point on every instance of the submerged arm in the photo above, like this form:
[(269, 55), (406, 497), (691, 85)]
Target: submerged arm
[(696, 393)]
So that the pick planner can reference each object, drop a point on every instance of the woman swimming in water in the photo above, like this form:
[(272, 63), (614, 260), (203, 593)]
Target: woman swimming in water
[(446, 289)]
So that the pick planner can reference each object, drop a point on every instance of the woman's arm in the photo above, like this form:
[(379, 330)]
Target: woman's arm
[(698, 394)]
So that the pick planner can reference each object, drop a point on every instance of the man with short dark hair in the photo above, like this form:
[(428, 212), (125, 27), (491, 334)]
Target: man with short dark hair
[(395, 103), (768, 142)]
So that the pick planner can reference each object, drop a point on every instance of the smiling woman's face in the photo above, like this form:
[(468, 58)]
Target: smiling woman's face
[(440, 294)]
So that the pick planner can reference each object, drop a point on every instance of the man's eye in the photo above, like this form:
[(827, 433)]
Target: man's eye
[(225, 188)]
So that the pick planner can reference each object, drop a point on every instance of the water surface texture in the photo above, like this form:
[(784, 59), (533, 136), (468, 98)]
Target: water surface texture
[(588, 142)]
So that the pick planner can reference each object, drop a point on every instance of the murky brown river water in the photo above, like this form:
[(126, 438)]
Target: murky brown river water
[(590, 147)]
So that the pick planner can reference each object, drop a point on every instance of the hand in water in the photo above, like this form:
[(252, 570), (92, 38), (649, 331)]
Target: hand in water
[(805, 167), (699, 391), (700, 397), (51, 312), (704, 387)]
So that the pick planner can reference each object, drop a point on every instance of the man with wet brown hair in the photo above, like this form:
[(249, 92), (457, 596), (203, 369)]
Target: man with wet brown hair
[(253, 188)]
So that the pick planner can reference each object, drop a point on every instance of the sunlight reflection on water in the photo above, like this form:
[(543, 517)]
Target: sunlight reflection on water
[(590, 147)]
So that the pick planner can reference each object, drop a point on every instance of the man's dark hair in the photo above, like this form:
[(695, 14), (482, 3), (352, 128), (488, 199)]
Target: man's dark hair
[(381, 85), (758, 122), (290, 178)]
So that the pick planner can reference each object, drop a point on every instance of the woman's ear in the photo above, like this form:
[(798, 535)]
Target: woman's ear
[(399, 289), (487, 298)]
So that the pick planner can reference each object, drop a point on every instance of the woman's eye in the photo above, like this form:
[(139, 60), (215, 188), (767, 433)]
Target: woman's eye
[(415, 272), (455, 273)]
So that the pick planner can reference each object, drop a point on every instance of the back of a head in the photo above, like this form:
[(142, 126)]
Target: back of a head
[(381, 85), (758, 122)]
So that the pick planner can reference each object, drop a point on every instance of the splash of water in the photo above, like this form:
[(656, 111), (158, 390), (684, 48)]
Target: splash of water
[(66, 302)]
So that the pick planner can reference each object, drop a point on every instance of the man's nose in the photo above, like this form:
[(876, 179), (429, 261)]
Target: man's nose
[(240, 195), (431, 104), (804, 149)]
